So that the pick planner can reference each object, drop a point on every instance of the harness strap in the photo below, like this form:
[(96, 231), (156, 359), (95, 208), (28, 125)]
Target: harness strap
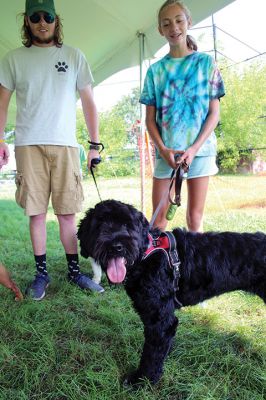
[(175, 262), (166, 242)]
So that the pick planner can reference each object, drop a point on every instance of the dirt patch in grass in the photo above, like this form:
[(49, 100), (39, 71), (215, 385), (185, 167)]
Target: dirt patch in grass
[(254, 204)]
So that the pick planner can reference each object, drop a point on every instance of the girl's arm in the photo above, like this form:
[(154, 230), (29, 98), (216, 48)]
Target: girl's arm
[(207, 128), (166, 153)]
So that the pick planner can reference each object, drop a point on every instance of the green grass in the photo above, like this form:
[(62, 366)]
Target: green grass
[(77, 346)]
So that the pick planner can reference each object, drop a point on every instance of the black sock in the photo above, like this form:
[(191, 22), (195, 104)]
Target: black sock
[(73, 265), (41, 264)]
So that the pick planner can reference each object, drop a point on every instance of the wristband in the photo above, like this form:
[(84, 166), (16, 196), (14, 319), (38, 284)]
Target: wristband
[(94, 147)]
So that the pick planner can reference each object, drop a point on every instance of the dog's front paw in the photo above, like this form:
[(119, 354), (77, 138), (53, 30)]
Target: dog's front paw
[(133, 379), (137, 379)]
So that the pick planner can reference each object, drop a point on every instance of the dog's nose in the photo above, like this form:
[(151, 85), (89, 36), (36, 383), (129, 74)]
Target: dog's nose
[(118, 246)]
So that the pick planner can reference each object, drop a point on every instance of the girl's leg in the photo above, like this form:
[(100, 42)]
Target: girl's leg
[(159, 189), (197, 192)]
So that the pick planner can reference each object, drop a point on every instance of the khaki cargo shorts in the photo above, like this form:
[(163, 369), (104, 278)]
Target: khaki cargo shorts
[(44, 170)]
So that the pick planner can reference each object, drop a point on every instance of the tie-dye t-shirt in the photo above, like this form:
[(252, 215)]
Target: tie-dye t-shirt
[(181, 89)]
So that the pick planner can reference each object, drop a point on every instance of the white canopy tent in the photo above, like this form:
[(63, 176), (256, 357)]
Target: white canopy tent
[(113, 34), (105, 30)]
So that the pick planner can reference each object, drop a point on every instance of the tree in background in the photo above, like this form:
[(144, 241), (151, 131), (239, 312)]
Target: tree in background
[(242, 109), (118, 156), (242, 126), (128, 108)]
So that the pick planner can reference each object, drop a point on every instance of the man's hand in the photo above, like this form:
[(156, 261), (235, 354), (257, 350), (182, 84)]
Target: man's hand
[(91, 155)]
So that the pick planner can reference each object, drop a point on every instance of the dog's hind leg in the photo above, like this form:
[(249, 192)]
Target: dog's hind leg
[(159, 330)]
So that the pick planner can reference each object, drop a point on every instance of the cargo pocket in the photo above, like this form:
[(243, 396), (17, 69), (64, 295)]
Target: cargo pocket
[(79, 189), (21, 194)]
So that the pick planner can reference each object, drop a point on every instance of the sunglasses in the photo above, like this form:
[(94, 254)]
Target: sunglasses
[(36, 17)]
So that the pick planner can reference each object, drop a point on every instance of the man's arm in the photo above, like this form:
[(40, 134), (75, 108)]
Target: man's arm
[(5, 96), (91, 119)]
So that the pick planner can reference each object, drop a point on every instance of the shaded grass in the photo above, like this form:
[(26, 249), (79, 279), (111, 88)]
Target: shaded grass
[(75, 345)]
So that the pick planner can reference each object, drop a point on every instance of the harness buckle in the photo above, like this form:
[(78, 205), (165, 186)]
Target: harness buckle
[(156, 242), (174, 259)]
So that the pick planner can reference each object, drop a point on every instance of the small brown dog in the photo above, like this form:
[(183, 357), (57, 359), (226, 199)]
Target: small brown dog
[(6, 281)]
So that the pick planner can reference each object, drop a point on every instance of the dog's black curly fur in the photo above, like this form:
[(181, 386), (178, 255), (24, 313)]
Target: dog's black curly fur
[(211, 264)]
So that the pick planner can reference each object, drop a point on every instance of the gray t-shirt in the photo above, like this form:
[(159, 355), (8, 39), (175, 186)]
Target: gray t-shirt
[(46, 80)]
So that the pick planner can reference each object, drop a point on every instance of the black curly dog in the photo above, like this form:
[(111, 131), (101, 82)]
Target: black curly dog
[(116, 235)]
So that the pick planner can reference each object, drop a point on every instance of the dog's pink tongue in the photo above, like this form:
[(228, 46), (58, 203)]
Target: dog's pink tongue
[(116, 270)]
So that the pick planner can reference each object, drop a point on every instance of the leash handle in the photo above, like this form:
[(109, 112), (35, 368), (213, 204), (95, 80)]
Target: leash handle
[(95, 162)]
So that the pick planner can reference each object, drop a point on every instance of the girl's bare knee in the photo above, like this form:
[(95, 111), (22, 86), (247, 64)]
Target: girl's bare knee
[(195, 222)]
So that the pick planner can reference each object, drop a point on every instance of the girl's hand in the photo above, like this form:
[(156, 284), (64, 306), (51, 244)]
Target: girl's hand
[(169, 156), (187, 157)]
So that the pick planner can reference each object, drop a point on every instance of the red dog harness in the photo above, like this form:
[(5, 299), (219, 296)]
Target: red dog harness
[(166, 242)]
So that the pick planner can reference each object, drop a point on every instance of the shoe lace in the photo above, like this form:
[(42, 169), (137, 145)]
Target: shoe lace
[(38, 281)]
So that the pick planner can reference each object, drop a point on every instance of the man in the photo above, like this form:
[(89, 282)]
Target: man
[(45, 74)]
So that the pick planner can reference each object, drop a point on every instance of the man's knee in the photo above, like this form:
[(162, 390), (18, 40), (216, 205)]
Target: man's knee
[(66, 219), (37, 219)]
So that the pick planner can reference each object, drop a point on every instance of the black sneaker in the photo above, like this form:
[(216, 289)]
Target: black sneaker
[(36, 290), (84, 282)]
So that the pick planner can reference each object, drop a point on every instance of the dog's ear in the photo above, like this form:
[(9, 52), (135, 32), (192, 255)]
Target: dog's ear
[(144, 230), (85, 233)]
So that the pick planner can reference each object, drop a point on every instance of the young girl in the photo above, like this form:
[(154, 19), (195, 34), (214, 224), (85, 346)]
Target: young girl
[(181, 93)]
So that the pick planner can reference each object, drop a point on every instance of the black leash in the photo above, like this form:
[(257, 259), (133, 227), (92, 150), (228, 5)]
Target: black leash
[(95, 162), (178, 184), (177, 177)]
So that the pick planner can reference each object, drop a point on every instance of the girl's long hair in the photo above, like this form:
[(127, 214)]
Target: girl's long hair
[(191, 43), (26, 35)]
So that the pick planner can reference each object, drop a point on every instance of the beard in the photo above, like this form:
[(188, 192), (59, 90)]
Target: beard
[(48, 40)]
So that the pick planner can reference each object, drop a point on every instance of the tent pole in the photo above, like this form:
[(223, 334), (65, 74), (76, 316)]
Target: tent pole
[(141, 37), (214, 38)]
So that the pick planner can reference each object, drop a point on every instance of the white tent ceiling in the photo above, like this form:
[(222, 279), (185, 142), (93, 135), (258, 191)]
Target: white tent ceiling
[(105, 30)]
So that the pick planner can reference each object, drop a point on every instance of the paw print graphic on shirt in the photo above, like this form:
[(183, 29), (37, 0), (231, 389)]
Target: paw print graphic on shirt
[(61, 66)]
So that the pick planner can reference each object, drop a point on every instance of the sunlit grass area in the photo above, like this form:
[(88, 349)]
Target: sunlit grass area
[(75, 345)]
